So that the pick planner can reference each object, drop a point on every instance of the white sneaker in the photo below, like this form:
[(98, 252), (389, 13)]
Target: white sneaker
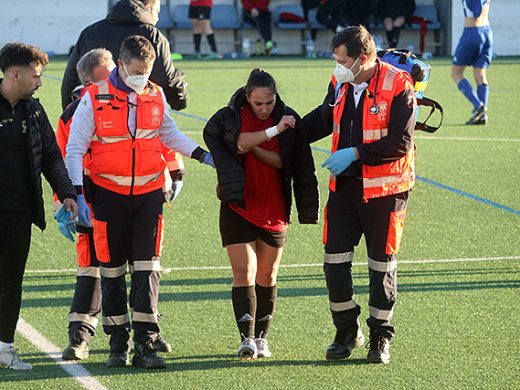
[(263, 348), (10, 359), (247, 350)]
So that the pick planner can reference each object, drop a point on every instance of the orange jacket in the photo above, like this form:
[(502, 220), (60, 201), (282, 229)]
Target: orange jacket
[(385, 179), (121, 162)]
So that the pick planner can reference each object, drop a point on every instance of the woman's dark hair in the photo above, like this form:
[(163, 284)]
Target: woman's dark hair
[(258, 78)]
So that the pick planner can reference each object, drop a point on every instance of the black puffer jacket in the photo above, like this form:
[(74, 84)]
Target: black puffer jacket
[(221, 134), (45, 157), (127, 17)]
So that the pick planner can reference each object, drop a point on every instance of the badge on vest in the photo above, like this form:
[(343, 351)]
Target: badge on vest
[(104, 96), (382, 111)]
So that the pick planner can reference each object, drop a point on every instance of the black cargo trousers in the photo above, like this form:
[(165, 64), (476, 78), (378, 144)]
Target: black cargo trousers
[(128, 230), (381, 220)]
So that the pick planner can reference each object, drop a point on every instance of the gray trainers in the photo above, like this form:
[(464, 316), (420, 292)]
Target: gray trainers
[(263, 348), (247, 350), (10, 359)]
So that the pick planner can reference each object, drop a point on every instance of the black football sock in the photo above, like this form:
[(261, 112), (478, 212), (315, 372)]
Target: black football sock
[(244, 306), (266, 302)]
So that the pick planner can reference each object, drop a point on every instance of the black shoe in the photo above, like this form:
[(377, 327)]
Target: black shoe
[(478, 116), (146, 357), (76, 350), (345, 341), (482, 121), (118, 359), (378, 349), (161, 345)]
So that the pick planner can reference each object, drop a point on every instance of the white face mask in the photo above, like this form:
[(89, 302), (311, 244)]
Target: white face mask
[(345, 75), (136, 82)]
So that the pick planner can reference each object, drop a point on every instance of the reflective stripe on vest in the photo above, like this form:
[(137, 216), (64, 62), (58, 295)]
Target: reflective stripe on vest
[(384, 179), (121, 162)]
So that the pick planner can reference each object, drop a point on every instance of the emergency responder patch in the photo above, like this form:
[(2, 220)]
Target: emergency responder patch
[(104, 96), (383, 111)]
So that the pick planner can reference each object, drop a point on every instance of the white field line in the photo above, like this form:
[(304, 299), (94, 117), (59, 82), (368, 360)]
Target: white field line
[(477, 139), (78, 372), (211, 268), (422, 138)]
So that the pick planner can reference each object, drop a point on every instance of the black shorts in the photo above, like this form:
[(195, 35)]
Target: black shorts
[(234, 229), (199, 12)]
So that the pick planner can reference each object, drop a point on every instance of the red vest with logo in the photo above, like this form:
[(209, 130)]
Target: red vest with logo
[(121, 162), (385, 179)]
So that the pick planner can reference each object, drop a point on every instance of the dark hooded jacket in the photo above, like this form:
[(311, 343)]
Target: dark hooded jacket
[(221, 134), (127, 17)]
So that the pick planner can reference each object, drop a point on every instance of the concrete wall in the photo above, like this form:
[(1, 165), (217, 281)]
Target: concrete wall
[(52, 25)]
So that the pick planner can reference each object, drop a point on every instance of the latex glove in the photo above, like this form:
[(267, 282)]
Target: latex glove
[(83, 211), (339, 160), (176, 187), (65, 224), (174, 192), (208, 160)]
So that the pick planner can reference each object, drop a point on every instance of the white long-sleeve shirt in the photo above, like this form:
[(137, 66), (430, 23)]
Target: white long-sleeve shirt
[(83, 128)]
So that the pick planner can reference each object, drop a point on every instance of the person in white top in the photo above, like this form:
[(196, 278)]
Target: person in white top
[(122, 121)]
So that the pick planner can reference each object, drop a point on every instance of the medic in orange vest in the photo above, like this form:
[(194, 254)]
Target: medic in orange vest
[(123, 120), (370, 112), (95, 66)]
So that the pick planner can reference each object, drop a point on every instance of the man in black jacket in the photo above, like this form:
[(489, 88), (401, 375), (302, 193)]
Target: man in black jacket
[(129, 17), (27, 149)]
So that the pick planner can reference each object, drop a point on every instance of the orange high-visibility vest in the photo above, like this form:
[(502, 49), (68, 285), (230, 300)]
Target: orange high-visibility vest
[(385, 179), (120, 162)]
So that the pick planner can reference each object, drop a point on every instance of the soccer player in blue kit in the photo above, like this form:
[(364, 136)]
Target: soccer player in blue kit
[(474, 49)]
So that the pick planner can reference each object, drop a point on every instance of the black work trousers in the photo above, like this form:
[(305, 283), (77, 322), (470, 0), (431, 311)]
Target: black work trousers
[(86, 304), (262, 23), (128, 230), (15, 240), (381, 221)]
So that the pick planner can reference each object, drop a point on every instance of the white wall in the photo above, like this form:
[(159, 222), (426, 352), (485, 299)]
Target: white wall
[(504, 20), (52, 25)]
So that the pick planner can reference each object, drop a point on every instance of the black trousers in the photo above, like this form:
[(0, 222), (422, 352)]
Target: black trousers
[(86, 304), (262, 23), (381, 221), (331, 13), (128, 231), (15, 240)]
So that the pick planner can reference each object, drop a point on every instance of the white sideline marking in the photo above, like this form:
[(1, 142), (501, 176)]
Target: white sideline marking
[(427, 261), (78, 372), (435, 138)]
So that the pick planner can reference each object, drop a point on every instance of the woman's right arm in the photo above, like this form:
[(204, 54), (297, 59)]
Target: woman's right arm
[(229, 171)]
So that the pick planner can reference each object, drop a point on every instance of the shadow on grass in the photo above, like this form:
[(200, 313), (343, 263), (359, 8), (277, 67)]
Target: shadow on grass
[(44, 367), (291, 292)]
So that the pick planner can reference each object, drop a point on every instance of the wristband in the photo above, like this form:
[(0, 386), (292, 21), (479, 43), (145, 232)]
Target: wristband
[(272, 132)]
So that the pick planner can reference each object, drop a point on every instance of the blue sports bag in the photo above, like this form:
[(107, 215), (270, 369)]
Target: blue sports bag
[(420, 72)]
